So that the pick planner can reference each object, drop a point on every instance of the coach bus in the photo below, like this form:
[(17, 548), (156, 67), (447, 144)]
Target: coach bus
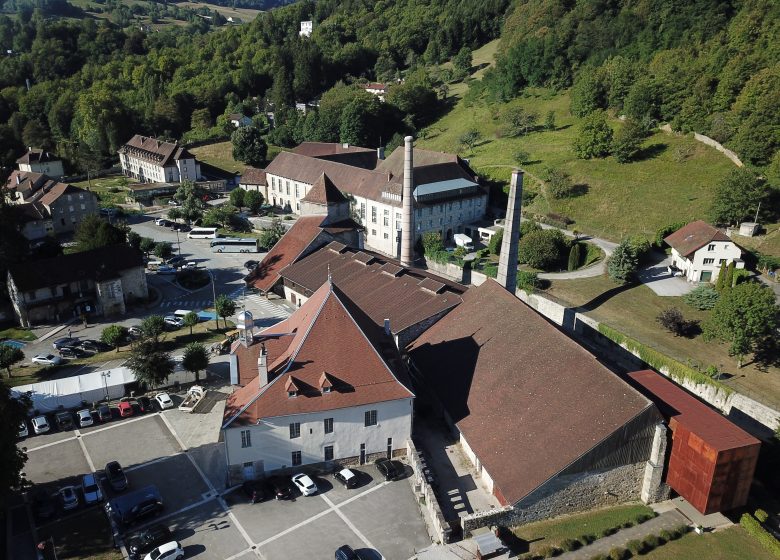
[(202, 233), (234, 245)]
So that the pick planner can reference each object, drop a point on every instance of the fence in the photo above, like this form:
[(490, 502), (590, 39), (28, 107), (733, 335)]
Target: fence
[(441, 529)]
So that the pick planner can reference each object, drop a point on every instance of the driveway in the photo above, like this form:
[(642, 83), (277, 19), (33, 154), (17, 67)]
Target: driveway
[(655, 276)]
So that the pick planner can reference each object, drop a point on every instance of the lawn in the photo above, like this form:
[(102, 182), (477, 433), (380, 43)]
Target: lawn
[(767, 243), (672, 182), (219, 155), (633, 310), (481, 59), (543, 534), (110, 189), (245, 14), (17, 333), (83, 536), (728, 544)]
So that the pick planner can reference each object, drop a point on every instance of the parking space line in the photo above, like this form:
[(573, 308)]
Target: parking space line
[(174, 434), (45, 445), (118, 424), (152, 462), (351, 525), (84, 450)]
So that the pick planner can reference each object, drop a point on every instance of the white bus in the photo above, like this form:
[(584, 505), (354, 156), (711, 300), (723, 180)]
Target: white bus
[(202, 233), (234, 245)]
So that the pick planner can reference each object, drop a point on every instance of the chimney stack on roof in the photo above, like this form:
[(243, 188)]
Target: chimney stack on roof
[(388, 332), (407, 223), (262, 366), (380, 153), (507, 263)]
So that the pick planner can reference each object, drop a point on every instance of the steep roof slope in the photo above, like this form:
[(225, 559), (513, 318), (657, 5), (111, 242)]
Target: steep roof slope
[(694, 236)]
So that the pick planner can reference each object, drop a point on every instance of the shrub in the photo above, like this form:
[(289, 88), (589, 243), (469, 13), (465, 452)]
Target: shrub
[(761, 515), (702, 297), (542, 249), (527, 226), (617, 554), (665, 231), (673, 321), (599, 557), (527, 280), (609, 531), (432, 243), (548, 552), (570, 544), (575, 256), (559, 183), (763, 536), (627, 524), (642, 517), (665, 535), (494, 245), (636, 547), (651, 542)]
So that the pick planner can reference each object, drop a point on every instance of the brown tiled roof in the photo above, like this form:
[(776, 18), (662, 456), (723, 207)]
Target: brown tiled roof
[(27, 179), (286, 251), (156, 151), (689, 238), (308, 169), (253, 176), (676, 404), (381, 287), (373, 85), (324, 192), (320, 149), (58, 190), (36, 156), (329, 334), (527, 398), (97, 264), (31, 211)]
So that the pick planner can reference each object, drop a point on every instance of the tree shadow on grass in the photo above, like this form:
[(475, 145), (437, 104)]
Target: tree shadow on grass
[(604, 297), (651, 151), (579, 189)]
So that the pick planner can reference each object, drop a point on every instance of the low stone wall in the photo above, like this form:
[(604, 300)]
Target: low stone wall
[(440, 528), (564, 495), (718, 146), (456, 273)]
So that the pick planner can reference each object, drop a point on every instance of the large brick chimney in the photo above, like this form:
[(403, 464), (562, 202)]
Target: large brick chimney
[(507, 264), (407, 220)]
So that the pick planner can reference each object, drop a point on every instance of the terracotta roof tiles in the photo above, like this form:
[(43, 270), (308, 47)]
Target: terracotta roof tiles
[(692, 237), (253, 176), (324, 192)]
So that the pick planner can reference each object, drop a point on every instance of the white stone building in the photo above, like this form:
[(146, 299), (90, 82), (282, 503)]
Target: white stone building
[(306, 28), (38, 161), (699, 250), (149, 160), (325, 386)]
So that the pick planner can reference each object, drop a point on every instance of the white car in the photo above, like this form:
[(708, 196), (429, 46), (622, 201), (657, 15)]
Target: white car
[(167, 551), (160, 221), (90, 489), (164, 400), (304, 484), (85, 418), (23, 433), (173, 202), (40, 425), (47, 359), (174, 321)]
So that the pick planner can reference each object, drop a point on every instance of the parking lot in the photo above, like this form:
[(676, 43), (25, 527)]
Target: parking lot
[(211, 522)]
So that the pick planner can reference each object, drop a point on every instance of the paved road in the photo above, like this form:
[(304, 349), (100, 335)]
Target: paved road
[(592, 271)]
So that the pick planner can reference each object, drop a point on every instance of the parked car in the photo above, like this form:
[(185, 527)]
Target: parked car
[(115, 476), (125, 409), (189, 265), (251, 265), (134, 331), (347, 477), (165, 269), (145, 404), (47, 359), (387, 468), (23, 432), (93, 346), (104, 413), (72, 352), (40, 425), (173, 202), (69, 499), (62, 342), (90, 489), (174, 321), (257, 490), (146, 540), (168, 551), (304, 484), (64, 421), (44, 506), (85, 418), (281, 487), (161, 222), (164, 400), (345, 552), (132, 506), (173, 261)]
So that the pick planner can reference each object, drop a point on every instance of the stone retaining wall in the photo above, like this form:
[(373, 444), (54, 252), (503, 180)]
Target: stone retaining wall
[(718, 146), (441, 530)]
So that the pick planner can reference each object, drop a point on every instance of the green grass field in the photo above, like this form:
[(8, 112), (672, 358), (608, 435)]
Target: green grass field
[(219, 155), (633, 312), (481, 59), (729, 544), (17, 333), (619, 199), (551, 532), (103, 187)]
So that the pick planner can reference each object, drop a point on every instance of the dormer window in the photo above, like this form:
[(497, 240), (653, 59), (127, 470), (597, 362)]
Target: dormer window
[(326, 383), (291, 388), (326, 389), (292, 394)]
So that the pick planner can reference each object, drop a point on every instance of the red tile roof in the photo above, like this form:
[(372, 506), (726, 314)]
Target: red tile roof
[(380, 286), (36, 156), (286, 251), (58, 190), (320, 149), (323, 191), (689, 238), (528, 399), (328, 335), (677, 404), (252, 176)]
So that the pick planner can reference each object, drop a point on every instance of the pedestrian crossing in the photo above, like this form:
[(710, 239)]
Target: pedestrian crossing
[(254, 302), (193, 305)]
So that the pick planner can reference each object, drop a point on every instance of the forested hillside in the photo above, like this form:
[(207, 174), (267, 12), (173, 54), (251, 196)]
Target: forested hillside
[(711, 66)]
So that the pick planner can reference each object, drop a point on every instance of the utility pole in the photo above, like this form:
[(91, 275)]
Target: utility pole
[(757, 209)]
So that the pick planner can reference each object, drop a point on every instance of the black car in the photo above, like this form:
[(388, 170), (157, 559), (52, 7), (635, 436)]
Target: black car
[(93, 346), (72, 352), (281, 487), (251, 265), (151, 506), (257, 490), (143, 542), (43, 505), (116, 476), (63, 342), (387, 468), (104, 413), (177, 260), (145, 404), (64, 421), (345, 552)]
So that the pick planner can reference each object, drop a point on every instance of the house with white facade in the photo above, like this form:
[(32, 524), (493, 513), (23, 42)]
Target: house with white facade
[(39, 161), (326, 386), (699, 250), (446, 191), (306, 28), (375, 88), (239, 120), (149, 160)]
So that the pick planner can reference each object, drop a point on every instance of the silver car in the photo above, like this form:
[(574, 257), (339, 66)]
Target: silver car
[(47, 359), (85, 418), (91, 490)]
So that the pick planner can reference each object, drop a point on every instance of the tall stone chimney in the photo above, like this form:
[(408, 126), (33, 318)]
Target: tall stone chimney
[(407, 221), (507, 264), (380, 153), (262, 366)]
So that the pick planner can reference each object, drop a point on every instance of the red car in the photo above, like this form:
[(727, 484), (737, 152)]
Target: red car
[(125, 409)]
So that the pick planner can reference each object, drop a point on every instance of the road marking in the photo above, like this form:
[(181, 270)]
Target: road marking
[(152, 462), (175, 435), (86, 453), (45, 445), (351, 525), (110, 427)]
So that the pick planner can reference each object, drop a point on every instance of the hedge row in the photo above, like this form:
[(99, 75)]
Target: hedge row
[(659, 361), (753, 526)]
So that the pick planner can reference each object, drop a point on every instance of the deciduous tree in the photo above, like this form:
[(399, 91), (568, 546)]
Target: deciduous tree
[(627, 141), (94, 232), (594, 139), (249, 146), (237, 196), (542, 249), (195, 359), (190, 320), (253, 200), (13, 412), (9, 356), (737, 196), (225, 307), (114, 335), (149, 363)]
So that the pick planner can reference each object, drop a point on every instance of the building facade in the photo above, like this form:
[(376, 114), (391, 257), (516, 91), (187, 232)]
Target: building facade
[(699, 250), (149, 160), (38, 161)]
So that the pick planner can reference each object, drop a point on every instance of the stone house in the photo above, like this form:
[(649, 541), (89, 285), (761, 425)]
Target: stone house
[(253, 179), (239, 120), (699, 250), (323, 387), (38, 161), (149, 160), (98, 282)]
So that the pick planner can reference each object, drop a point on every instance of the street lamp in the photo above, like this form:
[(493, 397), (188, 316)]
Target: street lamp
[(105, 375), (214, 292), (178, 242)]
